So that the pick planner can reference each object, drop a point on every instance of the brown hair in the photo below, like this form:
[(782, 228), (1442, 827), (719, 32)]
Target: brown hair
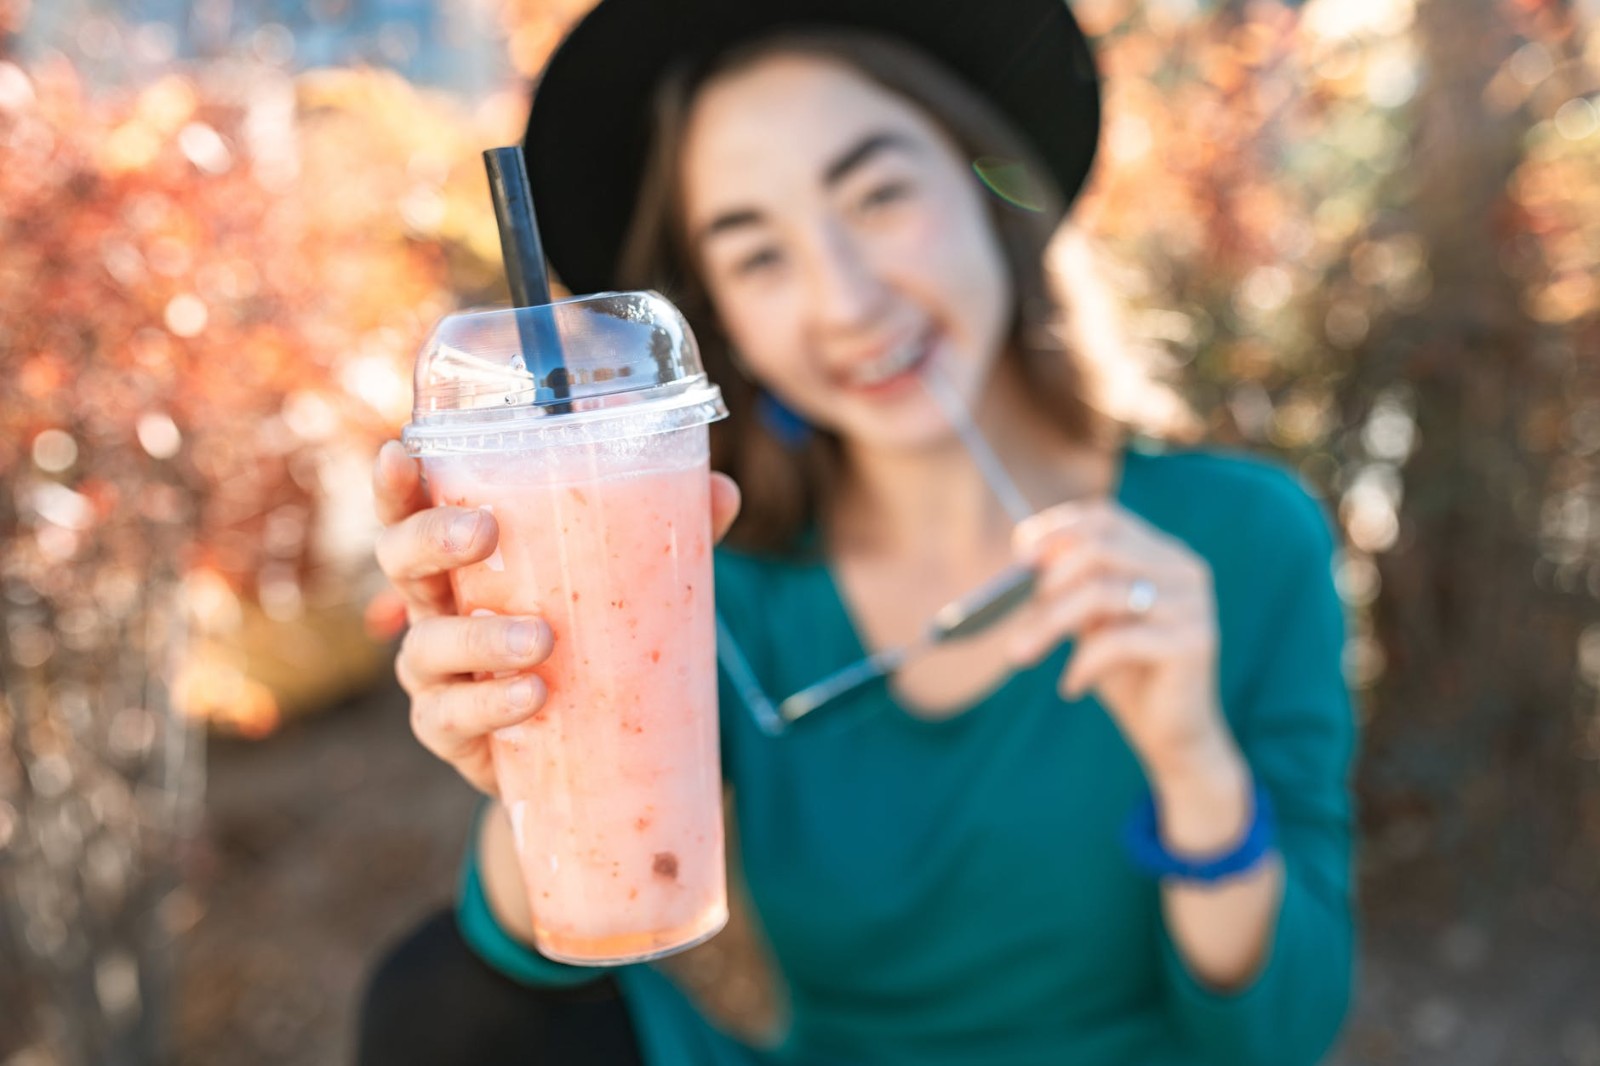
[(786, 489)]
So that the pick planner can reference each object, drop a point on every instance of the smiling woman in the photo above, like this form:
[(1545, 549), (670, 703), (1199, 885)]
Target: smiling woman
[(907, 156), (1112, 826)]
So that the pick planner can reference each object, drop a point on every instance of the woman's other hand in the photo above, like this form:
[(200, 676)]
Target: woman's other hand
[(1153, 664)]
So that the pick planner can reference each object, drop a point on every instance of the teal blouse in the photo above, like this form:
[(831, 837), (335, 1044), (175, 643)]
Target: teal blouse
[(954, 891)]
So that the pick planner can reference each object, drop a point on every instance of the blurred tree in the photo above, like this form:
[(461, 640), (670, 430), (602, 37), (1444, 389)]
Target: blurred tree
[(1477, 399), (209, 293)]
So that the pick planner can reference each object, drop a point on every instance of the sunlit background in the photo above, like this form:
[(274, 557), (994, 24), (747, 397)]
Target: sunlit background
[(1362, 235)]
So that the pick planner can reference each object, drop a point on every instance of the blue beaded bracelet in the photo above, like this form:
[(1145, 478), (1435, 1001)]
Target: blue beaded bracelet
[(1142, 838)]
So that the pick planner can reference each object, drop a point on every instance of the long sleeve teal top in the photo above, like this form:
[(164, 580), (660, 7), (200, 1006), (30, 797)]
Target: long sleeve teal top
[(955, 891)]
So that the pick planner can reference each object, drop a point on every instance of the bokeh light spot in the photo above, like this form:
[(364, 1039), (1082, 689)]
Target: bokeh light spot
[(273, 44), (59, 505), (1346, 324), (1358, 580), (186, 315), (1589, 654), (154, 43), (1531, 64), (158, 435), (1577, 119), (54, 451), (309, 415), (205, 148), (423, 209), (16, 91), (1364, 662), (1370, 509)]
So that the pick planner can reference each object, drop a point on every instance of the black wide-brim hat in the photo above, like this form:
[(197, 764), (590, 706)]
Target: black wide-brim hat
[(589, 127)]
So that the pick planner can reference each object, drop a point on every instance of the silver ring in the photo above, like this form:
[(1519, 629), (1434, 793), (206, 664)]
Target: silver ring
[(1141, 597)]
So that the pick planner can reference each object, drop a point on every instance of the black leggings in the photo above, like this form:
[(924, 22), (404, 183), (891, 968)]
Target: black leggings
[(432, 1002)]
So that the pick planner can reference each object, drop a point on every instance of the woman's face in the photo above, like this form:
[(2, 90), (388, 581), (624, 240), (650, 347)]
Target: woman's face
[(845, 244)]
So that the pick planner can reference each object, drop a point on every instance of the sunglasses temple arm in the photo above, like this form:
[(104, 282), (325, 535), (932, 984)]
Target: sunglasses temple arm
[(737, 667), (989, 464), (835, 685)]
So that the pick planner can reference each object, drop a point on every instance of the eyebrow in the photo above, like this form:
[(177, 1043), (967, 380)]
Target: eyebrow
[(851, 159), (863, 150)]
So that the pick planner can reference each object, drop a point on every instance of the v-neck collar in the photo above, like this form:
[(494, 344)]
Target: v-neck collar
[(1130, 455)]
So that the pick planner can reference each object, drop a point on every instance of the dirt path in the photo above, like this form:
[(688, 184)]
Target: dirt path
[(324, 842)]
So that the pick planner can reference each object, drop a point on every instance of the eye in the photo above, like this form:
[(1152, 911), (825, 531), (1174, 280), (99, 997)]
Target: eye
[(886, 193), (756, 262)]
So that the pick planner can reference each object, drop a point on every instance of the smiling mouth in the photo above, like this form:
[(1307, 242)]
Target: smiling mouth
[(893, 365)]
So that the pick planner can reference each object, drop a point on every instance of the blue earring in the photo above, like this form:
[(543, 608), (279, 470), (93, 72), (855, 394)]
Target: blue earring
[(781, 421)]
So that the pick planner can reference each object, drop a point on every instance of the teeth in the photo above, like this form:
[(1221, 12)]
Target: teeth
[(887, 366)]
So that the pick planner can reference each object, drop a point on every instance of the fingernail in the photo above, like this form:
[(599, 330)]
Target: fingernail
[(463, 529), (521, 638), (1031, 540), (520, 692)]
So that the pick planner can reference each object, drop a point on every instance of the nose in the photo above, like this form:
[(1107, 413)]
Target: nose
[(845, 292)]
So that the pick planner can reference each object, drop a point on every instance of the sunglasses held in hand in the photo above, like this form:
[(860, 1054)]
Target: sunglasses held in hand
[(962, 617)]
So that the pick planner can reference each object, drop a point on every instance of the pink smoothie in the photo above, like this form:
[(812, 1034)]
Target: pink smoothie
[(614, 788)]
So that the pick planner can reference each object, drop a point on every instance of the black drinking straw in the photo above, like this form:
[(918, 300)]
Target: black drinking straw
[(523, 254)]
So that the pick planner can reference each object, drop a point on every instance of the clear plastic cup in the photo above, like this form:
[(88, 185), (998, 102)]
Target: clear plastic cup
[(582, 427)]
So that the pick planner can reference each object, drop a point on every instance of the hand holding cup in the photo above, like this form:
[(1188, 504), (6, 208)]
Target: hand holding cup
[(466, 676)]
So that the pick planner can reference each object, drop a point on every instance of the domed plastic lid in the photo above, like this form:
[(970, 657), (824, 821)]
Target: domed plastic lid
[(594, 367)]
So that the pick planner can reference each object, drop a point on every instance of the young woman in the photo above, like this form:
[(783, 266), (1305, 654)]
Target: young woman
[(1113, 828)]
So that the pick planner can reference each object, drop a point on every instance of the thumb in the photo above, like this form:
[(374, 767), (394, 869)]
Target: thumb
[(724, 504)]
